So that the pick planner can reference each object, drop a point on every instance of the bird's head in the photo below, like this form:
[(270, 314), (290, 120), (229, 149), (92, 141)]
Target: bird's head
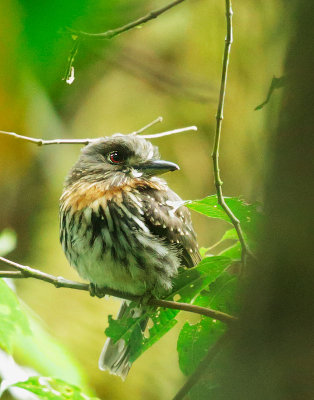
[(117, 159)]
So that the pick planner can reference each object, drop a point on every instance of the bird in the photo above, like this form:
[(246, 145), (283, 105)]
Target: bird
[(122, 227)]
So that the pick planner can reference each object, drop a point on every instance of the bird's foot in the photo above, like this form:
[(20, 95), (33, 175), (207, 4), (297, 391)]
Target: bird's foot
[(145, 300), (97, 291)]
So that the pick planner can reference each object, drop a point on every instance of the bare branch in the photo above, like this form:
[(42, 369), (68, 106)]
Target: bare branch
[(219, 118), (180, 130), (114, 32), (156, 121), (42, 142), (11, 274), (60, 282), (78, 36)]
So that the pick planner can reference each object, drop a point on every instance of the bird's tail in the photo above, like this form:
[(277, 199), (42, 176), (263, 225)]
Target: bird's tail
[(115, 357)]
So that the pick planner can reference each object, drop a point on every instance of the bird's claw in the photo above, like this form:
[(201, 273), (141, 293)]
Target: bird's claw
[(145, 300), (97, 291)]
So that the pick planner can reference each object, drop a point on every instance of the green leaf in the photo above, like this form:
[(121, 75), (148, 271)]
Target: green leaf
[(248, 214), (188, 284), (47, 388), (230, 234), (126, 328), (130, 329), (234, 252), (195, 340), (203, 251), (7, 241), (209, 206), (221, 295), (12, 318)]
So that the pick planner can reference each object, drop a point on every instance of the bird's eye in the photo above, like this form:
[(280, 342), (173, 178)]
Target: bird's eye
[(116, 157)]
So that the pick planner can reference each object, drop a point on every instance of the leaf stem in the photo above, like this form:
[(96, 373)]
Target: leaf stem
[(24, 271)]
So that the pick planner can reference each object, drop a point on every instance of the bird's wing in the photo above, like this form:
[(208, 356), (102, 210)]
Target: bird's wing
[(166, 217)]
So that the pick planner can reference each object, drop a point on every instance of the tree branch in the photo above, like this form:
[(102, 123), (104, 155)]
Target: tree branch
[(219, 118), (114, 32), (24, 271), (78, 36), (172, 132), (42, 142), (154, 122), (214, 350)]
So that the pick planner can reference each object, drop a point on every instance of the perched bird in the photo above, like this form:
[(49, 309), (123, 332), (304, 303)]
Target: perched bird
[(121, 226)]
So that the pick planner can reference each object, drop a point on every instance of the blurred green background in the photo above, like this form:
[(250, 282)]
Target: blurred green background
[(170, 67)]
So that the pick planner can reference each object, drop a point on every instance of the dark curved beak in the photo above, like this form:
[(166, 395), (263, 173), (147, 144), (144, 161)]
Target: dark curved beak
[(157, 167)]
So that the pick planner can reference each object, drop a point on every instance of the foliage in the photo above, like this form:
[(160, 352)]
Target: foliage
[(195, 340), (186, 287), (22, 335), (12, 318), (248, 214), (47, 388)]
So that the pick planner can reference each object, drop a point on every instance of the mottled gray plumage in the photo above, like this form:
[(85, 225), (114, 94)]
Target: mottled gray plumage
[(122, 227)]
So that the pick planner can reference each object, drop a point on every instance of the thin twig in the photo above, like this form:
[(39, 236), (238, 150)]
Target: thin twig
[(202, 367), (41, 142), (12, 274), (60, 282), (219, 118), (114, 32), (194, 378), (78, 36), (180, 130), (154, 122), (220, 316)]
